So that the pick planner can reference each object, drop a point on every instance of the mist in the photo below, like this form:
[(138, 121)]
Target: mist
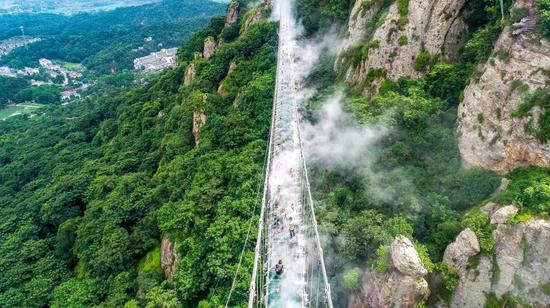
[(335, 138)]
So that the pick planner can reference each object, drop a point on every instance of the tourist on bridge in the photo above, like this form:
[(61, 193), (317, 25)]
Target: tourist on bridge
[(279, 268), (292, 229)]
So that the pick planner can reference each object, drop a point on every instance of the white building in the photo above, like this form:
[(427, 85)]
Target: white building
[(157, 60)]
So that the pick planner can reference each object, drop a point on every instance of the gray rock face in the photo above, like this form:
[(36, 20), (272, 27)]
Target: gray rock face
[(360, 16), (502, 214), (210, 47), (489, 135), (189, 74), (474, 285), (458, 253), (232, 13), (522, 256), (429, 24), (199, 119), (402, 286), (169, 257), (255, 15), (405, 258), (489, 208)]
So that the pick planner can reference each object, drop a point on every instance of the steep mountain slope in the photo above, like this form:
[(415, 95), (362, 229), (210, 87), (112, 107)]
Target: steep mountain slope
[(95, 194), (405, 33), (495, 130)]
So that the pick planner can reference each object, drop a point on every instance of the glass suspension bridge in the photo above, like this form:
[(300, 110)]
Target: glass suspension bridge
[(289, 269)]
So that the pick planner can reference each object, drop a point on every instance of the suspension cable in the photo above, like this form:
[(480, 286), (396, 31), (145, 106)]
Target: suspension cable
[(314, 221), (247, 233)]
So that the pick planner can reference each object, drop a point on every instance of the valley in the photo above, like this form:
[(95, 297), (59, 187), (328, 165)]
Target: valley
[(277, 153)]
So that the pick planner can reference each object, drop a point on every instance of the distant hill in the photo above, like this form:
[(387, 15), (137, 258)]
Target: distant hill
[(99, 39), (67, 7)]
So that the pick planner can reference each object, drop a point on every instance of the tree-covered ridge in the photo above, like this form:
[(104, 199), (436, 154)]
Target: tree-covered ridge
[(99, 39), (89, 189)]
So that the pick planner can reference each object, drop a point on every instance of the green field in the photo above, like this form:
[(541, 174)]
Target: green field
[(18, 109)]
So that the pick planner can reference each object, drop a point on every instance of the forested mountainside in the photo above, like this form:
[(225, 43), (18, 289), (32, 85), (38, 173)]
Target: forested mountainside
[(90, 189), (419, 69), (143, 197)]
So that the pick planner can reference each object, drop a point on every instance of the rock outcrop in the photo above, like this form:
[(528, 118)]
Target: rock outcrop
[(519, 266), (501, 215), (232, 13), (222, 88), (402, 286), (465, 246), (489, 135), (210, 46), (427, 26), (405, 258), (457, 256), (199, 119), (189, 74), (360, 16), (254, 15), (169, 257)]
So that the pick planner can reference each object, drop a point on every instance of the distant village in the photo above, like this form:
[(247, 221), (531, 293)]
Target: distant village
[(6, 46), (50, 73), (46, 74)]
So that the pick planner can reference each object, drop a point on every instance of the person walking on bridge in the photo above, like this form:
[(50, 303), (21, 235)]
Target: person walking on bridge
[(279, 268), (292, 228)]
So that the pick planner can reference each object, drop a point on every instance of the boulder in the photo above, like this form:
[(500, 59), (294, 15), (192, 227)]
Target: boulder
[(403, 285), (502, 214), (405, 258), (457, 253)]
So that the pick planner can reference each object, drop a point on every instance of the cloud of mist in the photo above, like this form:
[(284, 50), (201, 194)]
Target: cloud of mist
[(336, 139)]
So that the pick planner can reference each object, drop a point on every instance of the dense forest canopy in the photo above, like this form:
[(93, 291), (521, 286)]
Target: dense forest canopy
[(89, 189)]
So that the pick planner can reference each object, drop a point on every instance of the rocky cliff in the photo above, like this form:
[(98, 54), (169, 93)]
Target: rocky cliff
[(232, 13), (518, 268), (403, 285), (199, 119), (169, 257), (405, 33), (210, 46), (490, 136), (256, 14)]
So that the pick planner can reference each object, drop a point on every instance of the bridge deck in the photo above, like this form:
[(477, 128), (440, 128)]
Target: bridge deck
[(285, 204), (287, 200)]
